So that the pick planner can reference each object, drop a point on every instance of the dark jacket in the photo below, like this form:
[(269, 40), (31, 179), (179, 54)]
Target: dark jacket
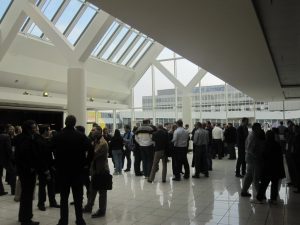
[(70, 148), (273, 160), (161, 140), (116, 143), (230, 135), (5, 149), (28, 154), (241, 134), (46, 151)]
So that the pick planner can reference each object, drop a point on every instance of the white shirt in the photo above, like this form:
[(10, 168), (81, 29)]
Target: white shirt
[(217, 133)]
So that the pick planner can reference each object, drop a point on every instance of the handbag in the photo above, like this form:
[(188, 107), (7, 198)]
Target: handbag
[(102, 181)]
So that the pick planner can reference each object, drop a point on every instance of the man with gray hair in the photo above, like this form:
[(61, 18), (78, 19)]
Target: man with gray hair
[(180, 140)]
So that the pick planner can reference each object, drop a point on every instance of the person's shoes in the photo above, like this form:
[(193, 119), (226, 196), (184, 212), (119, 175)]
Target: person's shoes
[(139, 174), (231, 158), (195, 176), (164, 181), (186, 177), (87, 209), (206, 175), (115, 173), (42, 207), (239, 176), (72, 203), (245, 194), (149, 181), (210, 169), (176, 179), (98, 214), (3, 193), (127, 170), (54, 205), (30, 223)]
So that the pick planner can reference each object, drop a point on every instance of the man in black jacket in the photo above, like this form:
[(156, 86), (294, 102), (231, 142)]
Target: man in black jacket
[(242, 134), (49, 163), (161, 140), (70, 155), (230, 140), (5, 161), (29, 162)]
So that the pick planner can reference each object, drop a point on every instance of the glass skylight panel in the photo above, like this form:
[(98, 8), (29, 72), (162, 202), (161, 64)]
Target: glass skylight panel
[(51, 7), (81, 25), (105, 38), (115, 43), (141, 53), (133, 50), (34, 30), (125, 47), (4, 6), (68, 15)]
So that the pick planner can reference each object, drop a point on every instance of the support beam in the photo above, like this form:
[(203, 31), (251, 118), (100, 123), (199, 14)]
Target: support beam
[(196, 79), (145, 63), (57, 38), (76, 100), (170, 76), (10, 27), (92, 35)]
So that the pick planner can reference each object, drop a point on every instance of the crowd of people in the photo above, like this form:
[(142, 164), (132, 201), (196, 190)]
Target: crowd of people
[(68, 159)]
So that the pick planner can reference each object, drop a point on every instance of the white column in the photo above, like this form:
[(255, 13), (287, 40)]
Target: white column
[(132, 108), (226, 102), (283, 110), (187, 109), (114, 120), (153, 96), (77, 94), (200, 102), (176, 89)]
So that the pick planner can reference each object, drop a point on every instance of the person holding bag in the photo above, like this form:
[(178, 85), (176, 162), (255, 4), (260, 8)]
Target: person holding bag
[(99, 168)]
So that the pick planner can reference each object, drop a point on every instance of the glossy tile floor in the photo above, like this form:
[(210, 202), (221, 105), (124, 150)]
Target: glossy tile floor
[(213, 200)]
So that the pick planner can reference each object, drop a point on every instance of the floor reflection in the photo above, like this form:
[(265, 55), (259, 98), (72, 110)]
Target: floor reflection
[(213, 200)]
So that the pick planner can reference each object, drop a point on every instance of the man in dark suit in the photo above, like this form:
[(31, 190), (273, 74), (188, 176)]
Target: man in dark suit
[(242, 134), (5, 161), (29, 162), (70, 155)]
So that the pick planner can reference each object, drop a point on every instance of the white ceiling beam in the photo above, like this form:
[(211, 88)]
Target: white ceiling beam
[(170, 76), (145, 63), (57, 38), (10, 27), (196, 79), (92, 35)]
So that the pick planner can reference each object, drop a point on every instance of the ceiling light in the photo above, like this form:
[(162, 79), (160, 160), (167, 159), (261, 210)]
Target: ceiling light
[(91, 99), (25, 93), (45, 94)]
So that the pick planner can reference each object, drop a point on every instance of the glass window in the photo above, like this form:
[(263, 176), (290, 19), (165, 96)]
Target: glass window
[(166, 54), (115, 43), (133, 50), (35, 30), (105, 38), (81, 25), (141, 53), (124, 47), (68, 15), (4, 6), (51, 7)]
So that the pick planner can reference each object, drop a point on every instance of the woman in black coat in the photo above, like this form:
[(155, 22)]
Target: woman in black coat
[(273, 169)]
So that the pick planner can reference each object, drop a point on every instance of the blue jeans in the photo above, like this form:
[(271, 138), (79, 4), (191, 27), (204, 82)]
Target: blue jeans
[(117, 154)]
